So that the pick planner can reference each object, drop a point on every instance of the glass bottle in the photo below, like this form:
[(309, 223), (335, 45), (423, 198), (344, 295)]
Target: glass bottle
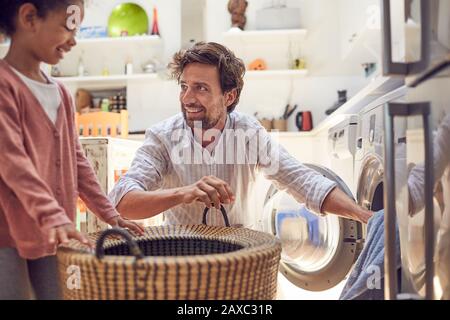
[(81, 68), (155, 28)]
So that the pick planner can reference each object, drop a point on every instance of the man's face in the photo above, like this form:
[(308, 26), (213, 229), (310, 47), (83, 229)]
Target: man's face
[(201, 96), (54, 35)]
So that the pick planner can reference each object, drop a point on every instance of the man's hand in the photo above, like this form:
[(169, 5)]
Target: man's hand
[(364, 215), (118, 221), (209, 190), (62, 234), (337, 202)]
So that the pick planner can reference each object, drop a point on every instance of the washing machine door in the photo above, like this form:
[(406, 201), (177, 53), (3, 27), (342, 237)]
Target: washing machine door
[(317, 251)]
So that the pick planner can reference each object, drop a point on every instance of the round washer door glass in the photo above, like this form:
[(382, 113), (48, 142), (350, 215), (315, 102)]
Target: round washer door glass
[(309, 241), (318, 251)]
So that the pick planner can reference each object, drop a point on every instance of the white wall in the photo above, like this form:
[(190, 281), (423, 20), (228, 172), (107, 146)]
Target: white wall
[(322, 46), (192, 24), (151, 103), (269, 97), (327, 73)]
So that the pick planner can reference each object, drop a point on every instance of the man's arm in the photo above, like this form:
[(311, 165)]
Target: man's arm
[(319, 194), (337, 202), (138, 204), (210, 190), (137, 194)]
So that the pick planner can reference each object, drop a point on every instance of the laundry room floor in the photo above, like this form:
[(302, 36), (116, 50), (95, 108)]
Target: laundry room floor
[(288, 291)]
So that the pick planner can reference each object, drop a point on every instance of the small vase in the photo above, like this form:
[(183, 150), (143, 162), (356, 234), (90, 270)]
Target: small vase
[(155, 28)]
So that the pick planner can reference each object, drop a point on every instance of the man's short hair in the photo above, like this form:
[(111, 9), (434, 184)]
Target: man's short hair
[(231, 69)]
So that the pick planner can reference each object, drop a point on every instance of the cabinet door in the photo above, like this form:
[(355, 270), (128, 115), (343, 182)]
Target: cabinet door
[(97, 153), (357, 21)]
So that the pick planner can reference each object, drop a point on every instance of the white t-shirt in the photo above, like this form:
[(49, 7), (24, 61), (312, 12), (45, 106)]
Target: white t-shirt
[(48, 94)]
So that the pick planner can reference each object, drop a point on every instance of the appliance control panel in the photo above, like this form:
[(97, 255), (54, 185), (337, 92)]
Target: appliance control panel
[(342, 138)]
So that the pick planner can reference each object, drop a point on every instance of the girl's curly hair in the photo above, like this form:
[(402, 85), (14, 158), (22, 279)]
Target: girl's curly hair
[(10, 8)]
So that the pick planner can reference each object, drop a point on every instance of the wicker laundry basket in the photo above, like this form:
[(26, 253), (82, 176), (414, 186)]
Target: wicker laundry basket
[(188, 262)]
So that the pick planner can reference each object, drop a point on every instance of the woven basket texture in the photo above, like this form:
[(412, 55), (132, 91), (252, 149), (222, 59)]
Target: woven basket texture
[(183, 262)]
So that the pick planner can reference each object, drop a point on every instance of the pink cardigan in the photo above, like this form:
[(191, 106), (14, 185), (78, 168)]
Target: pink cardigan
[(42, 169)]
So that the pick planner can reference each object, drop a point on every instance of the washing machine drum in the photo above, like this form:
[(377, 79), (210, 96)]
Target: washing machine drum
[(317, 251)]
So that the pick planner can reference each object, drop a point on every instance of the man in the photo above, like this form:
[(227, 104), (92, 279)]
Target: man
[(205, 132)]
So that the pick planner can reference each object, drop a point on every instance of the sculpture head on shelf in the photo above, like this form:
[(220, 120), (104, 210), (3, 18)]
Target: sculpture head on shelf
[(237, 10)]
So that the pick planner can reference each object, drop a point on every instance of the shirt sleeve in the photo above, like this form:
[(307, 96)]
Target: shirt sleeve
[(19, 173), (287, 173), (147, 170)]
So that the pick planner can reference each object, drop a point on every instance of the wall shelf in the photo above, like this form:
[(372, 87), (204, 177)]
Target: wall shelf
[(107, 81), (120, 40), (278, 48), (276, 73), (109, 40), (264, 35)]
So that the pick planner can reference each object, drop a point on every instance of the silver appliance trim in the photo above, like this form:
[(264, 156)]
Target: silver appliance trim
[(402, 109), (394, 68)]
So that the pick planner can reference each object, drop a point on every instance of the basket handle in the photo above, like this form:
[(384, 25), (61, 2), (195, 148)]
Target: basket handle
[(224, 214), (134, 248)]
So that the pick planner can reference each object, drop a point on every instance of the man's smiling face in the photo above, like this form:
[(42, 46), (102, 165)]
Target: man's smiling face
[(201, 96)]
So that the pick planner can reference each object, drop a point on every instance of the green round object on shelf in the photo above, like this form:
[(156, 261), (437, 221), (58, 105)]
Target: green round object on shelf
[(127, 19)]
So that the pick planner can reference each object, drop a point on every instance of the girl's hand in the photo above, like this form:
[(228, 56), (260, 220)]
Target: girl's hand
[(118, 221), (62, 234)]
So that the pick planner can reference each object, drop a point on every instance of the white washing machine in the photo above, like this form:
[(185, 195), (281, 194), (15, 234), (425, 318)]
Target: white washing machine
[(342, 146), (318, 251), (369, 167), (369, 161)]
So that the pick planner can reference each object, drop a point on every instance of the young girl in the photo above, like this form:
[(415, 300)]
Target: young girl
[(42, 166)]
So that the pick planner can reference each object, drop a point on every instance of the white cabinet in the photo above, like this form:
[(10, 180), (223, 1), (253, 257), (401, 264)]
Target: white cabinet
[(405, 35), (359, 30)]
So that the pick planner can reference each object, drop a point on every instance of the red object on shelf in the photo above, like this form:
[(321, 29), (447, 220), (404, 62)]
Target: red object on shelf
[(155, 28), (304, 121)]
